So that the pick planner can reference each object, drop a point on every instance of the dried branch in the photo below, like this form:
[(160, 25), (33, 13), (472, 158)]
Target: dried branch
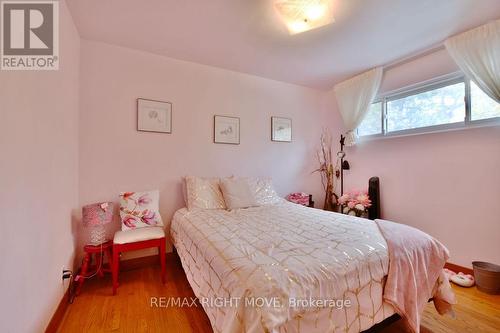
[(326, 168)]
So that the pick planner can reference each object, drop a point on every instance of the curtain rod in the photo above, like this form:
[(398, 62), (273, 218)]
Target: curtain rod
[(404, 60)]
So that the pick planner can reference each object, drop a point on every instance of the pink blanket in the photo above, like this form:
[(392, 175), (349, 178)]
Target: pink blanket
[(416, 262)]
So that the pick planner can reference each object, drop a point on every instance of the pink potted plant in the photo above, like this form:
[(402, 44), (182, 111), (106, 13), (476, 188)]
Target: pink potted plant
[(355, 203)]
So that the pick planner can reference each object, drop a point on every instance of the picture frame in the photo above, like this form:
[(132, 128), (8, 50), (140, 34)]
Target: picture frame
[(281, 129), (226, 130), (154, 116)]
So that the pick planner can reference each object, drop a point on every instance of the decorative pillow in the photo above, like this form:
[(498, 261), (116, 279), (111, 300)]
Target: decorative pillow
[(203, 193), (140, 209), (264, 192), (237, 193)]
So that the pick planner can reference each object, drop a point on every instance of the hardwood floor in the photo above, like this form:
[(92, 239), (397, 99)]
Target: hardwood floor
[(96, 310)]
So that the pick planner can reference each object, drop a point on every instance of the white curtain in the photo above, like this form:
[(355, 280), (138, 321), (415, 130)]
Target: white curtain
[(354, 97), (477, 53)]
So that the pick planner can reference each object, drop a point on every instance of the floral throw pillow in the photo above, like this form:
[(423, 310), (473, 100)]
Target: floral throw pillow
[(140, 209)]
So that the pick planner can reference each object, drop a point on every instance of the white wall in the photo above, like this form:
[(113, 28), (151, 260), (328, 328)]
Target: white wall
[(69, 138), (446, 184), (38, 185), (115, 157)]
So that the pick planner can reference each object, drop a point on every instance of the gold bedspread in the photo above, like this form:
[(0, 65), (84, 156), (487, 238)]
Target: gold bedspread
[(264, 269)]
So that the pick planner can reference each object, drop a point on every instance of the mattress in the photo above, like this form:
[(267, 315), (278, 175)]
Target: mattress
[(283, 268)]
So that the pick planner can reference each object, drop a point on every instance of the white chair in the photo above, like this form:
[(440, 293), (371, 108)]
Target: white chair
[(136, 239)]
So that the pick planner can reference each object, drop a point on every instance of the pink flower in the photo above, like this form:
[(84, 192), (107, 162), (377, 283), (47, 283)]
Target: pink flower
[(359, 207), (344, 199), (127, 195), (364, 200), (129, 221), (299, 198), (143, 200), (351, 204), (148, 217)]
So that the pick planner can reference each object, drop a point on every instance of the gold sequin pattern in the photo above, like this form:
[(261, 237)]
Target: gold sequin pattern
[(203, 193), (285, 251)]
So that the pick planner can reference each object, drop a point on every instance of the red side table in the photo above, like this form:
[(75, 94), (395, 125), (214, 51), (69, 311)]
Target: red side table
[(100, 269)]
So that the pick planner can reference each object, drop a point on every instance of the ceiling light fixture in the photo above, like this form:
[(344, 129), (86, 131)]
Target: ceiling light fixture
[(304, 15)]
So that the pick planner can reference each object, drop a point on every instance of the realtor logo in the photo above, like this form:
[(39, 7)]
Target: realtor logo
[(29, 35)]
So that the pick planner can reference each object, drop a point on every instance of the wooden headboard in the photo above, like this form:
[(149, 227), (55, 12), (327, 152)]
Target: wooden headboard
[(374, 193)]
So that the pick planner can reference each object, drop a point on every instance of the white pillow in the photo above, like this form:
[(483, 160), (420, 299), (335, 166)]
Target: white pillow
[(264, 192), (237, 193), (203, 193), (140, 209)]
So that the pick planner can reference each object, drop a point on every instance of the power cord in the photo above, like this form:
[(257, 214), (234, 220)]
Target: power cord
[(79, 276), (98, 268), (68, 274)]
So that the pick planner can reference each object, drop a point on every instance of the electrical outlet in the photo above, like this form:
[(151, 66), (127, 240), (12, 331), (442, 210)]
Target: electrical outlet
[(66, 274)]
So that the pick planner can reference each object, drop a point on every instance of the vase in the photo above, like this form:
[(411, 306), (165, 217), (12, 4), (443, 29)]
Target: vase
[(354, 212), (363, 214)]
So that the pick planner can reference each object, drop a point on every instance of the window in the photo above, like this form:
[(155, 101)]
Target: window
[(482, 106), (372, 124), (430, 107)]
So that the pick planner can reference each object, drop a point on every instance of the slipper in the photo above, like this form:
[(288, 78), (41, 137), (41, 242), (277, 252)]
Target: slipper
[(463, 280), (449, 273)]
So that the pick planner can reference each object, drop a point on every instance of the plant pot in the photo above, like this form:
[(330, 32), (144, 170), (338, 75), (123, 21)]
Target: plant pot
[(353, 212), (487, 277)]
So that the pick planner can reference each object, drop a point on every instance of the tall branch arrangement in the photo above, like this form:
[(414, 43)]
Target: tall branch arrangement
[(327, 170)]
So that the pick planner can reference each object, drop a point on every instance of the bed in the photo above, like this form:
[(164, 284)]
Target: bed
[(283, 268)]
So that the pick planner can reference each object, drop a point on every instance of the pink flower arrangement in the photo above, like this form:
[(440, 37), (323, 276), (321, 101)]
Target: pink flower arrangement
[(355, 202), (299, 198)]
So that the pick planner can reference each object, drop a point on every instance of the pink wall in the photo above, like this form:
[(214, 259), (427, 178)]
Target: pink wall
[(68, 138), (38, 185), (446, 184), (115, 157)]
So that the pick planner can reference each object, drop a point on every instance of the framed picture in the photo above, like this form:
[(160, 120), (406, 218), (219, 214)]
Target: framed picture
[(281, 129), (154, 116), (227, 130)]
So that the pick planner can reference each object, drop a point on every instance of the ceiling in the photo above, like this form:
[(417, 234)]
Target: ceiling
[(247, 35)]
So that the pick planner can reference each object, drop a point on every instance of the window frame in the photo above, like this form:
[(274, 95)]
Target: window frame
[(436, 83)]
